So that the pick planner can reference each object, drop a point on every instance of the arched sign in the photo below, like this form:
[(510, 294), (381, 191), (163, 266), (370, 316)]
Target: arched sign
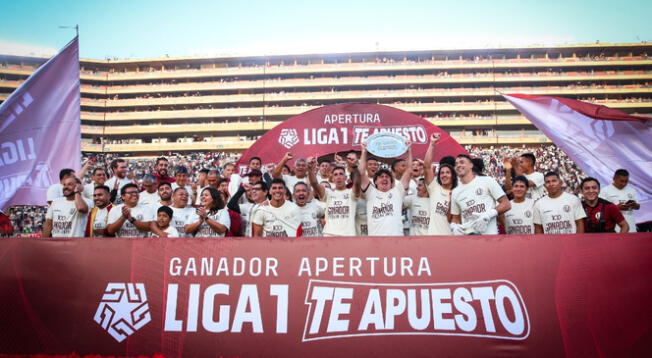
[(342, 127)]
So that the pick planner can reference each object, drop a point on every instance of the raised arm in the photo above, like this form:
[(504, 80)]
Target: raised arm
[(277, 173), (405, 179), (362, 168), (427, 160), (318, 189)]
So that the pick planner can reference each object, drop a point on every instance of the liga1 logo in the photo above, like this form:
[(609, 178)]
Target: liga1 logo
[(490, 309)]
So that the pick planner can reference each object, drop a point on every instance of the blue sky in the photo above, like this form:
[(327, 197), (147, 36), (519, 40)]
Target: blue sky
[(142, 29)]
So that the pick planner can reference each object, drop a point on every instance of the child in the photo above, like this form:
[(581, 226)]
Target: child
[(163, 218)]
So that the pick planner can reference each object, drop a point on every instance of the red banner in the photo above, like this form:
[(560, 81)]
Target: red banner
[(342, 127), (579, 296)]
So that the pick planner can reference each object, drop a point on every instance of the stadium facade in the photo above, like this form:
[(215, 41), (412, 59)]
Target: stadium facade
[(182, 104)]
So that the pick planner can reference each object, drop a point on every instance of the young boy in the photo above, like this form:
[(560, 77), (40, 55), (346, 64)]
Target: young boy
[(163, 218)]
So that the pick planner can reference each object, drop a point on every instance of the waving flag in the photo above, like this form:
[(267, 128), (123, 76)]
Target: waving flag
[(40, 130), (599, 139)]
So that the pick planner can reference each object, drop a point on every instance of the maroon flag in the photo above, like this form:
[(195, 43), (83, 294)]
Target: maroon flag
[(40, 130)]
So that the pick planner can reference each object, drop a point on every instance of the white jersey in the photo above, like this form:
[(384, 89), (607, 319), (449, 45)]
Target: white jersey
[(283, 221), (419, 209), (617, 196), (475, 198), (439, 207), (519, 219), (311, 215), (55, 191), (361, 228), (180, 218), (291, 180), (558, 215), (204, 230), (234, 183), (538, 191), (101, 219), (340, 212), (188, 189), (67, 221), (139, 212), (89, 189), (321, 178), (247, 211), (171, 231), (384, 211), (145, 198)]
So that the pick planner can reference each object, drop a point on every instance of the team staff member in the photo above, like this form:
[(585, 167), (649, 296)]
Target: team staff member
[(601, 215), (624, 196), (211, 219), (311, 212), (66, 216), (99, 216), (473, 201), (559, 212), (131, 219), (280, 218)]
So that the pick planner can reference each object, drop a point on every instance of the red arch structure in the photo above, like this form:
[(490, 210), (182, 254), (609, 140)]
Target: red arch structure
[(342, 127)]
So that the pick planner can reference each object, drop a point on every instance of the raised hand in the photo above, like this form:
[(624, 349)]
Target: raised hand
[(434, 138)]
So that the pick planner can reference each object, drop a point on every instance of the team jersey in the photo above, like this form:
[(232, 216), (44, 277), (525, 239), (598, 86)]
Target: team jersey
[(101, 219), (283, 221), (618, 196), (361, 218), (145, 198), (121, 182), (311, 215), (180, 218), (291, 181), (476, 198), (205, 230), (247, 211), (535, 192), (340, 212), (419, 209), (519, 219), (384, 211), (171, 231), (558, 215), (139, 212), (67, 221), (89, 190), (439, 207)]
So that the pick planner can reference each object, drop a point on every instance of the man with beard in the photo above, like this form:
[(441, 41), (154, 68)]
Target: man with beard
[(164, 194), (131, 219), (181, 210), (340, 202), (558, 212), (56, 190), (384, 198), (278, 219), (118, 180), (99, 216), (311, 212), (66, 217), (161, 174), (473, 201), (98, 177), (300, 171), (439, 188), (601, 215), (181, 181), (256, 194)]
